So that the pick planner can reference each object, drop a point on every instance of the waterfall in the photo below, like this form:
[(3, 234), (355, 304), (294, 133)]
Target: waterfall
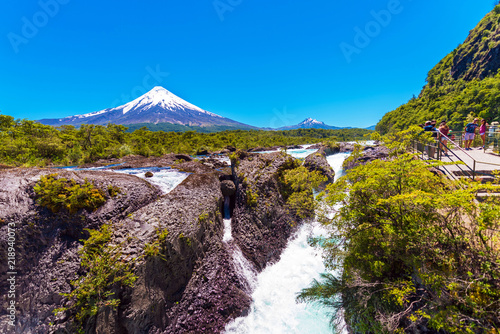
[(274, 308), (244, 268), (228, 236)]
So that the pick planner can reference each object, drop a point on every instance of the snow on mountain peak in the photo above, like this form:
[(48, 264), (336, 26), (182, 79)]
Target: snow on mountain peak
[(160, 97), (310, 121)]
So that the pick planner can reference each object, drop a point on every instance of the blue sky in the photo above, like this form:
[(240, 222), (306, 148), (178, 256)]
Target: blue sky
[(264, 63)]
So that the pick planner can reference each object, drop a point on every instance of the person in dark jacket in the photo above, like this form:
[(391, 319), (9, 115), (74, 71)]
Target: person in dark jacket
[(444, 131), (470, 131), (431, 127)]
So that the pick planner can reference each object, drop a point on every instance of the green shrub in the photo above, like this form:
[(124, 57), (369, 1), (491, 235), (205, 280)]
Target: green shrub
[(113, 190), (234, 158), (332, 144), (187, 240), (409, 249), (158, 246), (297, 189), (105, 270), (203, 218), (60, 193), (252, 197)]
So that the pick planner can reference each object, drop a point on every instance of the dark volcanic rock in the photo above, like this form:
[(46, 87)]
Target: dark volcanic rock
[(202, 152), (261, 224), (46, 244), (138, 161), (214, 163), (341, 147), (317, 162), (368, 154), (191, 287), (228, 188)]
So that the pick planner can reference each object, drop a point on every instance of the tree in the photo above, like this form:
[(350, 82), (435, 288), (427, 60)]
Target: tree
[(411, 249)]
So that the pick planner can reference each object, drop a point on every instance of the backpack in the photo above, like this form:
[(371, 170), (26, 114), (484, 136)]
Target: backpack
[(470, 128)]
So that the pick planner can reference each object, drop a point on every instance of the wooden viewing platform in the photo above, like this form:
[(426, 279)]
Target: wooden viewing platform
[(477, 162)]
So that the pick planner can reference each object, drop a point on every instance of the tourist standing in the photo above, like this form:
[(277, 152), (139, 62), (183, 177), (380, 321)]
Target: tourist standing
[(430, 126), (444, 130), (470, 131), (482, 131)]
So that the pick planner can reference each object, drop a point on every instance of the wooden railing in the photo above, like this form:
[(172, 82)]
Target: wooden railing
[(435, 150)]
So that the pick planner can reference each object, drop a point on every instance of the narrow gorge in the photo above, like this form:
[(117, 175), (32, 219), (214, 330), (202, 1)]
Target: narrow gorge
[(196, 239)]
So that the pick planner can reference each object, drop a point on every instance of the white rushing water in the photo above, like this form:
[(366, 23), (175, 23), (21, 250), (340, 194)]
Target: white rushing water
[(274, 308), (243, 267), (165, 178), (299, 153)]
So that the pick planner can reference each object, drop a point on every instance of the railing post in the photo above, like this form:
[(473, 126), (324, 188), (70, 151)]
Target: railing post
[(439, 149), (474, 170)]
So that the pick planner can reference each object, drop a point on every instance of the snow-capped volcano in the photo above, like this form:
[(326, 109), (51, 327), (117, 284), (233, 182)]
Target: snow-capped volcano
[(156, 106), (310, 123)]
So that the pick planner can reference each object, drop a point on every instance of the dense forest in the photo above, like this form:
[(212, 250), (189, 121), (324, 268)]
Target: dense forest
[(168, 127), (28, 143), (463, 85)]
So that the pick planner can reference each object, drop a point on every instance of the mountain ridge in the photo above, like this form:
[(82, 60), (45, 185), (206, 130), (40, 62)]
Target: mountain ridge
[(463, 85), (311, 123), (156, 106)]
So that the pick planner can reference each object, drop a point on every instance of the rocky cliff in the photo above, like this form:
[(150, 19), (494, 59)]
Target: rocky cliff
[(261, 223), (186, 280)]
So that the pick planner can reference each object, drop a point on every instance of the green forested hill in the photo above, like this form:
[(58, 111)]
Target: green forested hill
[(28, 143), (465, 83)]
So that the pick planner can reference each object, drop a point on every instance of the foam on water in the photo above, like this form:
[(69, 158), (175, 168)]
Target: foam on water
[(244, 268), (228, 233), (299, 153), (228, 236), (274, 308), (336, 161), (164, 178)]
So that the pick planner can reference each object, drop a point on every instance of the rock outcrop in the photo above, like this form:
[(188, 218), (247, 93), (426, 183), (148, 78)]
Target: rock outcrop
[(46, 244), (340, 147), (228, 188), (190, 286), (261, 223), (317, 162), (368, 154)]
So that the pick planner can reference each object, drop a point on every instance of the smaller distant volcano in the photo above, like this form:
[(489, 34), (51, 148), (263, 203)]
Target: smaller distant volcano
[(310, 123)]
